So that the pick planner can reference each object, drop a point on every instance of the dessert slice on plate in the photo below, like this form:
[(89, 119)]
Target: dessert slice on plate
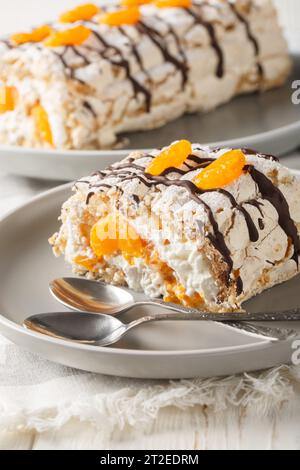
[(205, 228), (100, 71)]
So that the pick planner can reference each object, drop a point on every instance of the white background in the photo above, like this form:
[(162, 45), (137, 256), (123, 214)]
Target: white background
[(19, 14)]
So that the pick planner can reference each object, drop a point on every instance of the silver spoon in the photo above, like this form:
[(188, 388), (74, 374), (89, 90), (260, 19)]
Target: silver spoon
[(104, 330), (95, 297)]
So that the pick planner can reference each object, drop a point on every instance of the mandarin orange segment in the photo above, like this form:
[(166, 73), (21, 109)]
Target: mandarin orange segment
[(104, 236), (36, 35), (131, 247), (8, 98), (121, 17), (134, 3), (69, 37), (82, 12), (42, 125), (222, 171), (113, 233), (175, 155), (173, 3), (41, 33), (85, 230), (85, 262)]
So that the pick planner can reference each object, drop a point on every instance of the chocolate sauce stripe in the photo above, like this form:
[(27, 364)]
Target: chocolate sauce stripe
[(135, 53), (250, 36), (272, 193), (177, 40), (159, 42), (200, 160), (137, 86), (265, 156), (257, 204), (90, 108), (213, 38), (7, 43)]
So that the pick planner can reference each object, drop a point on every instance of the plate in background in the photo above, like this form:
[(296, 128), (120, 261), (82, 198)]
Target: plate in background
[(159, 350), (269, 122)]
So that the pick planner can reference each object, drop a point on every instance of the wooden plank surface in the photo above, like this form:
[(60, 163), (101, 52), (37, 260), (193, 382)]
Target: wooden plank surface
[(174, 429)]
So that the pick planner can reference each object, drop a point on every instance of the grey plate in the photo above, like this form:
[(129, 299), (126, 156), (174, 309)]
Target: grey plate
[(161, 350), (267, 121)]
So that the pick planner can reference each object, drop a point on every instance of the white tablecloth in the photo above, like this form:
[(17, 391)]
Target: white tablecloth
[(45, 405)]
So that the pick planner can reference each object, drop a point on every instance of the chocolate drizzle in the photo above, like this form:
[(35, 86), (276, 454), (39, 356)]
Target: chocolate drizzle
[(265, 156), (136, 198), (69, 70), (271, 193), (261, 224), (160, 43), (89, 196), (134, 51), (89, 107), (213, 39), (257, 204), (123, 63), (7, 43), (200, 161), (250, 36)]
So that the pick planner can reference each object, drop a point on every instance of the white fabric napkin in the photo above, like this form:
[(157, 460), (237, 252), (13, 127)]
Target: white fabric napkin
[(41, 395)]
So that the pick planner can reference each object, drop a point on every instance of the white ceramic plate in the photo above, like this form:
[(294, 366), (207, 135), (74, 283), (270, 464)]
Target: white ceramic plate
[(161, 350), (269, 122)]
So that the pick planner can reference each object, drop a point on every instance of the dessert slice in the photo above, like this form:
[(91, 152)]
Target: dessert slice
[(97, 72), (205, 228)]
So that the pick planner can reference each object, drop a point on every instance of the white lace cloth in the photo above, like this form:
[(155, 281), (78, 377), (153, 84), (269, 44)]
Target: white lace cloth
[(36, 394)]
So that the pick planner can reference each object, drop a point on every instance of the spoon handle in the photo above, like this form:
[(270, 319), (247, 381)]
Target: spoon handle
[(226, 320), (187, 313)]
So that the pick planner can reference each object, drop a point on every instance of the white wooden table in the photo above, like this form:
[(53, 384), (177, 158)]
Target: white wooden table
[(173, 429), (177, 430)]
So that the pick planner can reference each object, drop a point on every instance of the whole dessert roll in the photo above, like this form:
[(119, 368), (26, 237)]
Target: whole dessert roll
[(82, 81), (205, 228)]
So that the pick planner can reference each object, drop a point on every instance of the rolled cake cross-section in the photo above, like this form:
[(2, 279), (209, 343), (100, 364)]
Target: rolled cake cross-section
[(98, 72), (205, 228)]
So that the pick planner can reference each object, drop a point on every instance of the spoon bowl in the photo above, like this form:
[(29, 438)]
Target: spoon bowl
[(84, 295), (85, 328)]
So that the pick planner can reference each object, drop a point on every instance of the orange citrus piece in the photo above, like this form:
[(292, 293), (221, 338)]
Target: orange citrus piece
[(120, 17), (173, 3), (175, 155), (82, 12), (113, 233), (85, 262), (134, 3), (36, 35), (42, 125), (222, 171), (104, 239), (131, 246), (8, 98), (69, 37)]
